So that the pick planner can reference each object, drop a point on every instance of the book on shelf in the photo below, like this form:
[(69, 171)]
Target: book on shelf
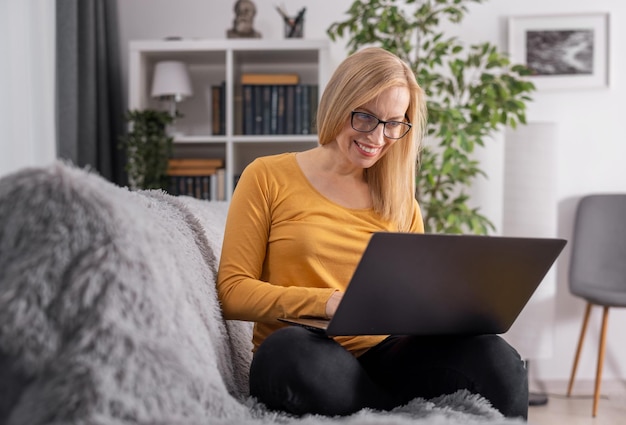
[(265, 108), (297, 102), (269, 79), (218, 109), (273, 114), (218, 188), (182, 163), (201, 171), (247, 114), (306, 111), (313, 96), (281, 94), (238, 105), (290, 110)]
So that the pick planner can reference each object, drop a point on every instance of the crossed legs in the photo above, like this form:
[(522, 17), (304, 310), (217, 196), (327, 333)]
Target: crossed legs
[(301, 371)]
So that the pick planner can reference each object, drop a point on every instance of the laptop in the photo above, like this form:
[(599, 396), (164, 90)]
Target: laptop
[(439, 284)]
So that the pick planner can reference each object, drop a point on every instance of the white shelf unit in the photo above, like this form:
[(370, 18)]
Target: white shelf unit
[(212, 62)]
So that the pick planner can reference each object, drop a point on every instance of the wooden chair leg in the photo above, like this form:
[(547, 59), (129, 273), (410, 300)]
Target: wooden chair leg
[(601, 350), (581, 339)]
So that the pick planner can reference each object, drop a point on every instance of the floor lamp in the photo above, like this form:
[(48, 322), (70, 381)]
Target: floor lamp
[(530, 209)]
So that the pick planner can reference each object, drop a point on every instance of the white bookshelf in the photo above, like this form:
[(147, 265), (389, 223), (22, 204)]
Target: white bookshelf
[(212, 62)]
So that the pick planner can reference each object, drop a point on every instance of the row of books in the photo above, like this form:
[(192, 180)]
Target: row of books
[(202, 178), (267, 104), (210, 188), (279, 109)]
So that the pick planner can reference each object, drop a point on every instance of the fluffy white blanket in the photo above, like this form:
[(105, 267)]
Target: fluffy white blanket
[(109, 315)]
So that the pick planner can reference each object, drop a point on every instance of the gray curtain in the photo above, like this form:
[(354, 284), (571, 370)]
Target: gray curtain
[(90, 112)]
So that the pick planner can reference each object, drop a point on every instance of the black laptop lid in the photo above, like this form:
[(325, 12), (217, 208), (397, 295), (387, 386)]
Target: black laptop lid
[(436, 284)]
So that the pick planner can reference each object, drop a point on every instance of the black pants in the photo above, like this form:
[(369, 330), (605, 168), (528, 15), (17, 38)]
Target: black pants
[(301, 371)]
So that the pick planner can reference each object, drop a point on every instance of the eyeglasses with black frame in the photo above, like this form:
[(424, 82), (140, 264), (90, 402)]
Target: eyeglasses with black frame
[(365, 123)]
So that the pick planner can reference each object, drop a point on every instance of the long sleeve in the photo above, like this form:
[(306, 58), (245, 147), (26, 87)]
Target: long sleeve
[(244, 294)]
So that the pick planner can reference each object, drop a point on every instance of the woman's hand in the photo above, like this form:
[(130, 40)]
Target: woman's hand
[(332, 303)]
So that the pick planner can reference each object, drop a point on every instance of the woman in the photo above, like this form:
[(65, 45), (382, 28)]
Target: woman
[(297, 226)]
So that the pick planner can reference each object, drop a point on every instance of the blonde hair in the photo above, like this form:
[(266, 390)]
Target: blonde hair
[(357, 80)]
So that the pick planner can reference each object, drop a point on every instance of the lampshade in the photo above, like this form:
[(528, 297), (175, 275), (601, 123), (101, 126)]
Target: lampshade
[(171, 79)]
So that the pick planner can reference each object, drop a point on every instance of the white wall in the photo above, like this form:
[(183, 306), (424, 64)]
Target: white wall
[(591, 146)]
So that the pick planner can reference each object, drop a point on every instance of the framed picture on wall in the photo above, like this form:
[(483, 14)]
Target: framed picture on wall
[(563, 51)]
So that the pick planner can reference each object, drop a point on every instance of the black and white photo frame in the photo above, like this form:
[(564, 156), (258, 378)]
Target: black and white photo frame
[(563, 51)]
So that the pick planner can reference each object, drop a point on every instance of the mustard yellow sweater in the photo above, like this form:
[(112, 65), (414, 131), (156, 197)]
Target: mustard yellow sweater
[(287, 248)]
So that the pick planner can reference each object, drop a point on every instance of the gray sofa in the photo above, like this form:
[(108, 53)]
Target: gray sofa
[(109, 314)]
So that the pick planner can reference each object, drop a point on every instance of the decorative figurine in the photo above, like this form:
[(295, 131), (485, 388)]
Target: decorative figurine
[(243, 26)]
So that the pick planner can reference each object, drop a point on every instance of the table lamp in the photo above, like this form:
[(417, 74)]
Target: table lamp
[(171, 84)]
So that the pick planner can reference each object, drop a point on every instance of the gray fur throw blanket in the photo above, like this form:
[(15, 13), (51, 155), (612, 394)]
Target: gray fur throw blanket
[(109, 314)]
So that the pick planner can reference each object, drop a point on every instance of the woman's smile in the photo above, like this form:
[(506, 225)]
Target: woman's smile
[(368, 150)]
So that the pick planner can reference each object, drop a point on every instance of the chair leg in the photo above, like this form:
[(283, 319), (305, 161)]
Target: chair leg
[(601, 350), (581, 338)]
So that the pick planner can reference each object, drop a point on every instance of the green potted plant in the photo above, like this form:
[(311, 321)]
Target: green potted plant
[(148, 148), (471, 94)]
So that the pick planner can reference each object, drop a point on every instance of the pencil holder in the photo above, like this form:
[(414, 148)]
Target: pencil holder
[(294, 27)]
